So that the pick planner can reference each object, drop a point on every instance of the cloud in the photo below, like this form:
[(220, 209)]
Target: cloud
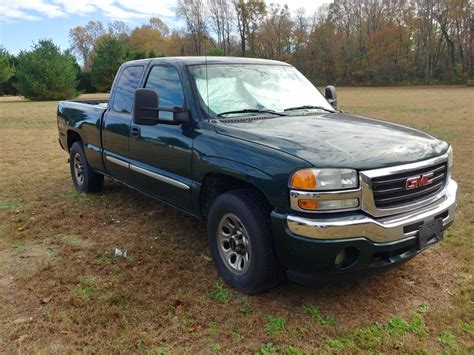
[(124, 10)]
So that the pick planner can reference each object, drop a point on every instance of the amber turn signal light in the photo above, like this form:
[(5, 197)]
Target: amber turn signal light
[(308, 204), (304, 179)]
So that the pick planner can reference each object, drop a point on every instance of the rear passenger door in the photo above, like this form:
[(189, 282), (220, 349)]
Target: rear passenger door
[(117, 122), (160, 155)]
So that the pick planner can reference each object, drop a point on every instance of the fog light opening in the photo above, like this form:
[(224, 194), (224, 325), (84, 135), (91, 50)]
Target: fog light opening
[(346, 258)]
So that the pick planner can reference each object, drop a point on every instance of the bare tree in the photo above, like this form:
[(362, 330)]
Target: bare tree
[(194, 13), (221, 22)]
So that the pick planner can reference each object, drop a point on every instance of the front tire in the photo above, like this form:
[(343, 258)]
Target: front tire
[(239, 238), (83, 177)]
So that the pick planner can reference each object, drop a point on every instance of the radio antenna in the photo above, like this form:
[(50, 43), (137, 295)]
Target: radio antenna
[(207, 80)]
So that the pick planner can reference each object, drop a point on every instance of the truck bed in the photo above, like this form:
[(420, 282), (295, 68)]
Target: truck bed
[(102, 103)]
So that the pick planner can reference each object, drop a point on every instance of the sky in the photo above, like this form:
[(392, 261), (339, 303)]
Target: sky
[(24, 22)]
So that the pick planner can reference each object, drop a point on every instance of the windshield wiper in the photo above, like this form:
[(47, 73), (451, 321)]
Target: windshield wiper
[(251, 110), (308, 107)]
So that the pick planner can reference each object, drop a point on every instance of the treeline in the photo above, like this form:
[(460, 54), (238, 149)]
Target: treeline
[(362, 42)]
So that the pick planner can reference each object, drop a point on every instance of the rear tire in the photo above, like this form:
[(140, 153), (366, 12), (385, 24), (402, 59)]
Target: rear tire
[(83, 177), (239, 239)]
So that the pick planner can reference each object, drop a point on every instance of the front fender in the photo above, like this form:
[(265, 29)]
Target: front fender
[(265, 168)]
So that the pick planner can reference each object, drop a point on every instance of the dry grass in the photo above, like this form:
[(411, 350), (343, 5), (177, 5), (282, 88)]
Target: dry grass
[(62, 290)]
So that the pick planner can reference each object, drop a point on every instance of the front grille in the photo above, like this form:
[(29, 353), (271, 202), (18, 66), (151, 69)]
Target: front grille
[(390, 191)]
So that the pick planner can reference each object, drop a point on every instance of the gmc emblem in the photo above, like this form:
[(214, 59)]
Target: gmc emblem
[(415, 182)]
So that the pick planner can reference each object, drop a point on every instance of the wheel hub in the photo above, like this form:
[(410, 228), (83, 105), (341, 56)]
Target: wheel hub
[(233, 244), (78, 169), (237, 243)]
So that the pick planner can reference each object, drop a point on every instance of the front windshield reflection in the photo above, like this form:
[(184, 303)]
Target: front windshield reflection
[(234, 87)]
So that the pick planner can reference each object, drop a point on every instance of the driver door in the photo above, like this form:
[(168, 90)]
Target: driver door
[(160, 155)]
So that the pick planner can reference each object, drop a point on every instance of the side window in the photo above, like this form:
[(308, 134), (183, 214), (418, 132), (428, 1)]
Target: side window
[(165, 80), (126, 86)]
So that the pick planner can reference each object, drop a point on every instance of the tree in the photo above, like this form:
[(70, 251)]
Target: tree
[(249, 14), (83, 39), (194, 13), (7, 69), (151, 37), (221, 22), (46, 73), (107, 58)]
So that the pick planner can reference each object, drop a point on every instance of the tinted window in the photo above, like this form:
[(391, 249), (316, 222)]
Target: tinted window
[(165, 80), (126, 86)]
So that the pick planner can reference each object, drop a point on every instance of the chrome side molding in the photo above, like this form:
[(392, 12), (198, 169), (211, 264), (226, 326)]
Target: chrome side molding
[(148, 173), (159, 177)]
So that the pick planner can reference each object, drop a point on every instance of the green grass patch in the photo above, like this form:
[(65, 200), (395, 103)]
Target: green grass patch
[(220, 292), (104, 258), (268, 349), (17, 245), (275, 324), (87, 287), (246, 310), (315, 313), (447, 339), (375, 335), (9, 205)]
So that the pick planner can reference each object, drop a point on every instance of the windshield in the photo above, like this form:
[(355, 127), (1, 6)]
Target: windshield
[(231, 88)]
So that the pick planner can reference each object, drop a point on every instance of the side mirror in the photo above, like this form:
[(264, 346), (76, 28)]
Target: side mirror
[(146, 107), (331, 96), (146, 110)]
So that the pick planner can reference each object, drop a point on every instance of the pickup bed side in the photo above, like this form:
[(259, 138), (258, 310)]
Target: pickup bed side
[(82, 120)]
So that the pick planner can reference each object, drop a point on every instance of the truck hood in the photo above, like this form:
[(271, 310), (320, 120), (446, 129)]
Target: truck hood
[(337, 139)]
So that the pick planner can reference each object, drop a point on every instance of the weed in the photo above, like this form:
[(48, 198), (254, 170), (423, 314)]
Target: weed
[(335, 344), (447, 338), (86, 289), (397, 326), (468, 327), (220, 293), (294, 350), (315, 313), (268, 349), (216, 347), (246, 310), (423, 308), (9, 205), (104, 258), (275, 324), (161, 350), (17, 244)]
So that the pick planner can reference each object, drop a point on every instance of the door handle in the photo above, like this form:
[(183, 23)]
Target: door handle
[(135, 132)]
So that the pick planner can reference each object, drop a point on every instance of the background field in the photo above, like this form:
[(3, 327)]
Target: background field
[(61, 288)]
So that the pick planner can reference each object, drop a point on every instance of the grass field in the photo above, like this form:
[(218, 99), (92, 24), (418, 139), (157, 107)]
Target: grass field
[(62, 289)]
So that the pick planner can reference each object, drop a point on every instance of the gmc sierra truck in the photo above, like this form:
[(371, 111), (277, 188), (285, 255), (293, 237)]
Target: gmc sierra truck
[(289, 185)]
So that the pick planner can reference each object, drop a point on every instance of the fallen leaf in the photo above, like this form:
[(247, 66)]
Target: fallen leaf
[(194, 327), (45, 300), (176, 303)]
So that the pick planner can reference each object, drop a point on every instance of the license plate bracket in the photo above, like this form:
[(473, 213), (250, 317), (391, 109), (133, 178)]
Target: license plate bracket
[(430, 233)]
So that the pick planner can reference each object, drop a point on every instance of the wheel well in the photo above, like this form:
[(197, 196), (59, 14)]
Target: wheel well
[(216, 184), (72, 137)]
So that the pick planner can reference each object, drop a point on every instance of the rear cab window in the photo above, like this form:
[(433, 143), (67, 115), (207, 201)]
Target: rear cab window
[(125, 89)]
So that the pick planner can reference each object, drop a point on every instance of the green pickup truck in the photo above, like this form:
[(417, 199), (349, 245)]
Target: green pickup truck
[(289, 185)]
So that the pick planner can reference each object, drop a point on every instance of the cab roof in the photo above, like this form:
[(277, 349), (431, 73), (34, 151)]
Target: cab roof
[(210, 60)]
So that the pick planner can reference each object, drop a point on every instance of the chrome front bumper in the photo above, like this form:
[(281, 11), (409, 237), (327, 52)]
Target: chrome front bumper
[(378, 230)]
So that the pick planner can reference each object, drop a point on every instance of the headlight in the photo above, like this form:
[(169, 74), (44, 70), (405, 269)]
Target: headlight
[(324, 179), (450, 157)]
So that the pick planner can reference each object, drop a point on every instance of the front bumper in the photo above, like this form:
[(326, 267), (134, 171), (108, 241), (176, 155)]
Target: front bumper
[(308, 246), (380, 230)]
